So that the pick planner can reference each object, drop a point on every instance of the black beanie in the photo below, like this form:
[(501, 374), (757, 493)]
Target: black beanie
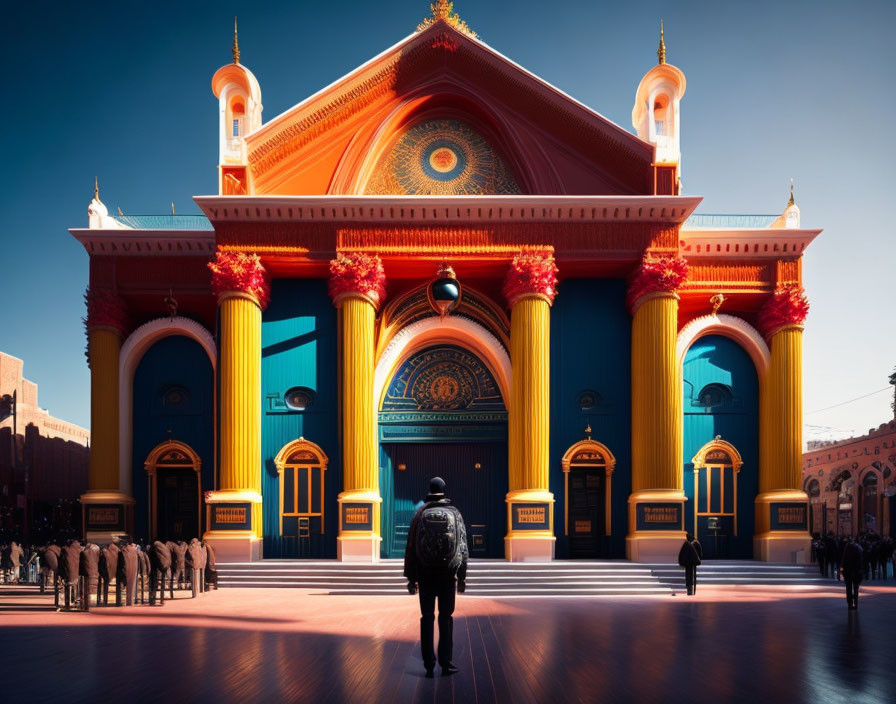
[(436, 485)]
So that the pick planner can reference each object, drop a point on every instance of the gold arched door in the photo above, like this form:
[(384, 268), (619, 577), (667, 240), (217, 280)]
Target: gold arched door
[(716, 467), (587, 488), (173, 471), (301, 466)]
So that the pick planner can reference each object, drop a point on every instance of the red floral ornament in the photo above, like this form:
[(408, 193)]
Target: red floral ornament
[(359, 274), (787, 306), (657, 274), (531, 272), (239, 271), (105, 308)]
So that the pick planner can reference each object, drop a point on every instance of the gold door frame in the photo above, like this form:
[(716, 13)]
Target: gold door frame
[(578, 456), (704, 460), (318, 458), (172, 454)]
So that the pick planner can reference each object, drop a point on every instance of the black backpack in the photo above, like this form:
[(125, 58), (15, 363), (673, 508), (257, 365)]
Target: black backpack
[(439, 542)]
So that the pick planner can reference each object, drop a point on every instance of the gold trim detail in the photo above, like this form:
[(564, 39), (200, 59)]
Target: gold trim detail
[(581, 454), (296, 455)]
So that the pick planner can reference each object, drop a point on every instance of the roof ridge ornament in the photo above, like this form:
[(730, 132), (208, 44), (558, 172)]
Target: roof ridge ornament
[(444, 10), (661, 51), (236, 44), (96, 188), (791, 201)]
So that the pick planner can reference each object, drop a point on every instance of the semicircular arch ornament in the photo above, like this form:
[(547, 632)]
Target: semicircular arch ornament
[(588, 453), (300, 451), (718, 451), (442, 157)]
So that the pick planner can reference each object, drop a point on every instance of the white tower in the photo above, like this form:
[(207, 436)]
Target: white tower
[(239, 107), (656, 116)]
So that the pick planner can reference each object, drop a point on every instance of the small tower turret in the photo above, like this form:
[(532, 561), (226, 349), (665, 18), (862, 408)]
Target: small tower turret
[(239, 107), (656, 117), (790, 218)]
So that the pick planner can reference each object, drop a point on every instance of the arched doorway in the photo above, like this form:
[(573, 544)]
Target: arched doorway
[(175, 492), (716, 469), (301, 467), (442, 413), (870, 503), (816, 508), (720, 378), (587, 487)]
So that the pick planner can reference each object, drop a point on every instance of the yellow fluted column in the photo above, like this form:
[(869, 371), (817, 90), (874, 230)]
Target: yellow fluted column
[(530, 503), (234, 518), (104, 345), (357, 285), (107, 511), (656, 505), (782, 506)]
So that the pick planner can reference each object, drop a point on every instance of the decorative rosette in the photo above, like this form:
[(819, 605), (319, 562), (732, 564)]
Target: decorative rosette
[(657, 274), (359, 274), (787, 306), (239, 271), (532, 272)]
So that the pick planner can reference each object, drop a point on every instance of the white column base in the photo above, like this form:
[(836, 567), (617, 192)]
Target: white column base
[(782, 546), (234, 546), (358, 549), (654, 546), (529, 549)]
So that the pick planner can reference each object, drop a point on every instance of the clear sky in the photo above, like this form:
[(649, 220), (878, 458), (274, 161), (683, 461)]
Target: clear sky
[(801, 89)]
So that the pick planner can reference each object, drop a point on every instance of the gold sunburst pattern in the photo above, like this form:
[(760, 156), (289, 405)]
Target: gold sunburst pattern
[(442, 157)]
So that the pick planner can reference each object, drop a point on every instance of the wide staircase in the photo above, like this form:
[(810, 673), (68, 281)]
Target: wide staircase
[(498, 578)]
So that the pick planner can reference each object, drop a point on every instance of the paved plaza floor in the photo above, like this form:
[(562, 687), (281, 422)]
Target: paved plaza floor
[(746, 644)]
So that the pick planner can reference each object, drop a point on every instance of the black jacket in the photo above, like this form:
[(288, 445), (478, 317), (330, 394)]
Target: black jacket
[(851, 561), (690, 554), (413, 570)]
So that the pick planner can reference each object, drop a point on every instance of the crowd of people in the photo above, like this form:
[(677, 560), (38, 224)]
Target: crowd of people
[(877, 554), (81, 574)]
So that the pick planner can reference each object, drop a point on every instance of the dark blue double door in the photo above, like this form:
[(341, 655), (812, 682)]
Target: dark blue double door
[(476, 479)]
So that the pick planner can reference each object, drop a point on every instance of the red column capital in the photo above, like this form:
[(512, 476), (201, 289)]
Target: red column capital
[(357, 274), (240, 272), (105, 308), (657, 274), (788, 306), (533, 272)]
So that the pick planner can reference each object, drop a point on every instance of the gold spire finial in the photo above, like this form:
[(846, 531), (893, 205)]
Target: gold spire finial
[(96, 188), (791, 201), (444, 10), (661, 52), (236, 44), (172, 208)]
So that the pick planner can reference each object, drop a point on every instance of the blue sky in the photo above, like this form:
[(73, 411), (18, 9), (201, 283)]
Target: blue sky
[(775, 90)]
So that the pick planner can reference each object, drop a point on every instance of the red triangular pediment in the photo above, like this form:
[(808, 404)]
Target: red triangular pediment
[(333, 142)]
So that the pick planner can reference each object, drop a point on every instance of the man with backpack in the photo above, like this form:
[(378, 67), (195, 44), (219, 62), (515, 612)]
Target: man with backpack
[(435, 559)]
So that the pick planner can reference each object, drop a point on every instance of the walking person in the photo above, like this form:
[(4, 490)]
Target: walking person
[(435, 560), (689, 557), (852, 568)]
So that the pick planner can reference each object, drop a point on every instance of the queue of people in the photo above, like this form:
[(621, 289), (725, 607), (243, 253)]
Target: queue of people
[(81, 575)]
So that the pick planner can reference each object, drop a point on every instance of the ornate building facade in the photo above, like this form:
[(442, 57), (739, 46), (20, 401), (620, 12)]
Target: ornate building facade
[(372, 298), (851, 484)]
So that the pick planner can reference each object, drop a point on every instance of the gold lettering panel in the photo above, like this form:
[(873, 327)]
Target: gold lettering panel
[(230, 514), (530, 514), (102, 516), (660, 514), (357, 514), (792, 515)]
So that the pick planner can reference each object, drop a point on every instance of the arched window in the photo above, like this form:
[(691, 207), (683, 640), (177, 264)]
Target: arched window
[(662, 116), (237, 118), (714, 396), (716, 466)]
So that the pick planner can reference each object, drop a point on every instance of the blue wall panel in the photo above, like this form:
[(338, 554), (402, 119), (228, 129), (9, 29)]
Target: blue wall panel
[(174, 362), (722, 369), (298, 339), (591, 350)]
